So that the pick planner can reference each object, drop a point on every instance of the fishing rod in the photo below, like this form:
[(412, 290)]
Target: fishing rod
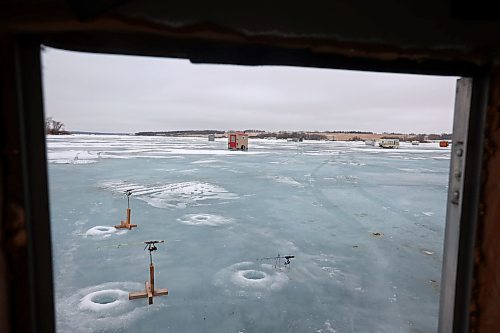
[(148, 244), (277, 260), (119, 245)]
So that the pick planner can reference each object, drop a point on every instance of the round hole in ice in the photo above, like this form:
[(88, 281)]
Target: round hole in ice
[(254, 275), (100, 230), (201, 218), (104, 298)]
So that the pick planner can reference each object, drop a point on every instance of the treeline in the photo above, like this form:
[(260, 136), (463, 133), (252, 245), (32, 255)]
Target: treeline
[(253, 131), (429, 137), (418, 137), (356, 138), (349, 132), (443, 136), (292, 135), (180, 133)]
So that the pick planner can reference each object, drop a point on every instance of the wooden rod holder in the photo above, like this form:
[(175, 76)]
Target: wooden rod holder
[(149, 291), (152, 276), (126, 224)]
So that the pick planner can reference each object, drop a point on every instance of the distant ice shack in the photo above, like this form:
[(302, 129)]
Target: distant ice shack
[(237, 141)]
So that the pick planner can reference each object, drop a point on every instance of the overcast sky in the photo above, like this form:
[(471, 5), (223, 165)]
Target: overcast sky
[(109, 93)]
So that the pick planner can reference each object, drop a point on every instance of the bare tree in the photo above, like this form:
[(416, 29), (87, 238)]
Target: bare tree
[(54, 127)]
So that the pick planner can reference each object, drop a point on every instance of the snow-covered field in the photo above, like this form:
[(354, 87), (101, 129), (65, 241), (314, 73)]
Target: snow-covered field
[(365, 225)]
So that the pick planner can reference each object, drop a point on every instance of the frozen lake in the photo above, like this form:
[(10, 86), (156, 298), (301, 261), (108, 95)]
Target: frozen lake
[(366, 227)]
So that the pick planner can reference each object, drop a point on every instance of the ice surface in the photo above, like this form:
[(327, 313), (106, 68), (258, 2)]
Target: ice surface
[(366, 226), (205, 219), (286, 180), (68, 149)]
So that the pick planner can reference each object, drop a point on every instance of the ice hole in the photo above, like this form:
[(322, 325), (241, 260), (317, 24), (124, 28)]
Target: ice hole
[(104, 298), (101, 300), (100, 230), (254, 275)]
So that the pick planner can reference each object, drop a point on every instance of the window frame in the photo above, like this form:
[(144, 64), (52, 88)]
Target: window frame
[(461, 219)]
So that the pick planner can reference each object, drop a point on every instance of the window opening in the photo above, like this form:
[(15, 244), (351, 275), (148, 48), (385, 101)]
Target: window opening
[(307, 221)]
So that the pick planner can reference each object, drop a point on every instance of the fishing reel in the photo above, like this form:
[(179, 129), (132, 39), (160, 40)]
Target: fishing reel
[(150, 245), (128, 193), (287, 261)]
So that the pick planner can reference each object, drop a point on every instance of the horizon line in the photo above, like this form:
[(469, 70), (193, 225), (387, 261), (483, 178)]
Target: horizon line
[(257, 131)]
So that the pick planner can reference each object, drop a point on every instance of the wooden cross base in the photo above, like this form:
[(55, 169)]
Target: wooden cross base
[(150, 290), (147, 294), (126, 224)]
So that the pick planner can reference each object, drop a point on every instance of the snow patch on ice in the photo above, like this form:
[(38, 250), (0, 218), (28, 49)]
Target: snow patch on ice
[(205, 161), (327, 328), (286, 180), (175, 195), (316, 153), (71, 157), (189, 171), (353, 163), (212, 152), (412, 170), (80, 162)]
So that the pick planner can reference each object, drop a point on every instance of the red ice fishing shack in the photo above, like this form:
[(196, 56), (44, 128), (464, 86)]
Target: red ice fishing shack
[(237, 141)]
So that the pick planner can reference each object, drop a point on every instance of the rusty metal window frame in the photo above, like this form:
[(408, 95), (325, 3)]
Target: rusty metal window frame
[(461, 211), (463, 203)]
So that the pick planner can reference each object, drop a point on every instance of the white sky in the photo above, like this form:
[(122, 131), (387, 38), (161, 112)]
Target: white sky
[(110, 93)]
